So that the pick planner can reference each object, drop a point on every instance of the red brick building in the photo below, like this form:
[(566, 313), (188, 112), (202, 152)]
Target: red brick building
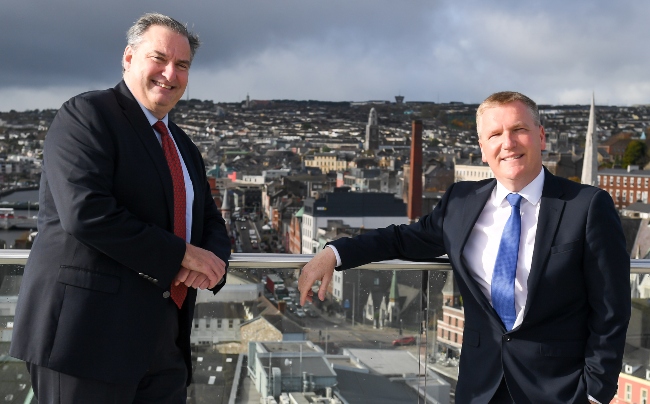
[(626, 186), (450, 327)]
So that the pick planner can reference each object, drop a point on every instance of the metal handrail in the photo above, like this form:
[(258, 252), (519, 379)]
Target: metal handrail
[(296, 261)]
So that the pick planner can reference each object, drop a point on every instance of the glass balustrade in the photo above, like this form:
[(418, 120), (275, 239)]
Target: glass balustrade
[(391, 330)]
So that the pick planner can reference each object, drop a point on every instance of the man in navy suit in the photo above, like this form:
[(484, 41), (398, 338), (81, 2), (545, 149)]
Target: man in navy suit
[(128, 230), (568, 305)]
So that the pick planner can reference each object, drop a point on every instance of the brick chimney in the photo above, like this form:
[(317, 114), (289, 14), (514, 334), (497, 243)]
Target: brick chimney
[(414, 209)]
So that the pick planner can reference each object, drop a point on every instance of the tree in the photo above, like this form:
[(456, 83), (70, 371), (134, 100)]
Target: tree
[(634, 153)]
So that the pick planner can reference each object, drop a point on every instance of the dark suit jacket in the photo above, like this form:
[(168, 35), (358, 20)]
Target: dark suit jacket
[(570, 343), (93, 292)]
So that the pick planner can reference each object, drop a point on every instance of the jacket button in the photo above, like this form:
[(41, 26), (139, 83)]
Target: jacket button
[(507, 338), (141, 274), (166, 294)]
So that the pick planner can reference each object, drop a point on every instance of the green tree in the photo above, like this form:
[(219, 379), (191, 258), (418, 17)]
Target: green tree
[(634, 153)]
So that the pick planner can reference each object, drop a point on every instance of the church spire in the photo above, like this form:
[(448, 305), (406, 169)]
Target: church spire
[(590, 157)]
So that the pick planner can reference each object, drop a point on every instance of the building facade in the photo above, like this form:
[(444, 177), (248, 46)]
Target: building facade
[(626, 186)]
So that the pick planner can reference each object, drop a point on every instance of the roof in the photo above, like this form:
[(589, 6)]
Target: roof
[(638, 207), (386, 362), (624, 171), (219, 310), (357, 387), (355, 204)]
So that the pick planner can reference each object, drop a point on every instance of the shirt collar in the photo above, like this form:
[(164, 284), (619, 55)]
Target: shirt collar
[(152, 119), (531, 192)]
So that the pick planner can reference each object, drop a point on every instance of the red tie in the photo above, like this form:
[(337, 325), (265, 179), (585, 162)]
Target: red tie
[(179, 292)]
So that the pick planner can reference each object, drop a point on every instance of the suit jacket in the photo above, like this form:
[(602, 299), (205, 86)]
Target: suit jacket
[(94, 287), (570, 343)]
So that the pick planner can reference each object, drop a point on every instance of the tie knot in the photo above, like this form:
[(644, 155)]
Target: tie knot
[(514, 200), (160, 127)]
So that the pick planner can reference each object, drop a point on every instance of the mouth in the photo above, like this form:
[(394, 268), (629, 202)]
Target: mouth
[(165, 86), (512, 158)]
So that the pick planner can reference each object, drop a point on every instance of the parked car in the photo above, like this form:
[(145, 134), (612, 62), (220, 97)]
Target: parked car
[(404, 341), (300, 313)]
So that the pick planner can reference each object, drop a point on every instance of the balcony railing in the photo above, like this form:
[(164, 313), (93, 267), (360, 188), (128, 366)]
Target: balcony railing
[(397, 323)]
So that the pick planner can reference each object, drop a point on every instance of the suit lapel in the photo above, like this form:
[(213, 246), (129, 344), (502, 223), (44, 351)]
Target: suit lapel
[(145, 134), (550, 211), (472, 208)]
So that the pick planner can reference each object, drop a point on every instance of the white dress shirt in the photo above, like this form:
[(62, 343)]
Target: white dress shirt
[(481, 250)]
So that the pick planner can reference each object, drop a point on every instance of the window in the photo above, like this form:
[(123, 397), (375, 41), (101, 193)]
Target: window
[(218, 323), (230, 322), (628, 391), (618, 180), (611, 180), (196, 325), (645, 183), (624, 196), (638, 196), (624, 181), (644, 396), (456, 322), (638, 182)]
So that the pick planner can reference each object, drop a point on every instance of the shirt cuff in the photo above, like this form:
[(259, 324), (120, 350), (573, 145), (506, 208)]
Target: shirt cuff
[(338, 257), (593, 399)]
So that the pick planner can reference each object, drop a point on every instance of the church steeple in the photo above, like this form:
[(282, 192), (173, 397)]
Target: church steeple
[(392, 297), (590, 158)]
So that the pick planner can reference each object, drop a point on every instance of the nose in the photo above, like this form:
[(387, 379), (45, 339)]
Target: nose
[(170, 71), (509, 140)]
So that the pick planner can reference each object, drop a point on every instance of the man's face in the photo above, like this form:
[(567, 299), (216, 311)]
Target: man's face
[(157, 70), (512, 144)]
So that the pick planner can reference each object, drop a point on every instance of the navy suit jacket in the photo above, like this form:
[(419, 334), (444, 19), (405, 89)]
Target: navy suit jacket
[(93, 291), (570, 343)]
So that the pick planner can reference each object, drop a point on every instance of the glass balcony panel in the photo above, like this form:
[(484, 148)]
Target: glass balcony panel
[(395, 326)]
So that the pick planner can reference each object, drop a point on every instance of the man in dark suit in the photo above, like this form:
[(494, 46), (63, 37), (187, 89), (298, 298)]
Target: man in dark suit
[(546, 314), (128, 230)]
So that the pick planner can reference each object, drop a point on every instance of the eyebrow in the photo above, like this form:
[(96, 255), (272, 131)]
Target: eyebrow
[(159, 53)]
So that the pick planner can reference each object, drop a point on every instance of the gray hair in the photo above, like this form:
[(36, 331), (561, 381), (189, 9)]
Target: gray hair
[(135, 33), (506, 97)]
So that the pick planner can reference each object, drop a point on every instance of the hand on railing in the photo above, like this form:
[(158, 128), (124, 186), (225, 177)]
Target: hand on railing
[(319, 268)]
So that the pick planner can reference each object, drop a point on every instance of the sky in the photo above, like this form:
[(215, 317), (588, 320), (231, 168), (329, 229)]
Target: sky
[(554, 51)]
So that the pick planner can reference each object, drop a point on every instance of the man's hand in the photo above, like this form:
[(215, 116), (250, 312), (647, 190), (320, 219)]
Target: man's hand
[(200, 269), (319, 268)]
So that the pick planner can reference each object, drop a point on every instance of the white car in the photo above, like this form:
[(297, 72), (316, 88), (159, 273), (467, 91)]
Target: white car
[(300, 313)]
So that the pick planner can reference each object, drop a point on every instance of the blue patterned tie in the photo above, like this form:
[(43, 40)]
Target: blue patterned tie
[(505, 267)]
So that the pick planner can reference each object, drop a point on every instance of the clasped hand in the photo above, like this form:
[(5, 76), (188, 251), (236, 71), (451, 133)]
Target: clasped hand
[(200, 269)]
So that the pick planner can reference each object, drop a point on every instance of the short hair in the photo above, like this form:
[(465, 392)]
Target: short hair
[(506, 97), (135, 33)]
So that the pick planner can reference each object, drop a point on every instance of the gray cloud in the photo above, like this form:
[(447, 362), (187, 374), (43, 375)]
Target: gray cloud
[(555, 51)]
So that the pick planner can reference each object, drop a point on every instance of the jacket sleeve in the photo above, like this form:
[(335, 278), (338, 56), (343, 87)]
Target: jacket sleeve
[(79, 163), (607, 275), (421, 241)]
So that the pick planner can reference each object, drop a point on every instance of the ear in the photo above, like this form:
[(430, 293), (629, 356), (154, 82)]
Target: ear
[(126, 58), (480, 144), (542, 138)]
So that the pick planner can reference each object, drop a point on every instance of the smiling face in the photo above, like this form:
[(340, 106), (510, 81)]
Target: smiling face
[(157, 70), (512, 143)]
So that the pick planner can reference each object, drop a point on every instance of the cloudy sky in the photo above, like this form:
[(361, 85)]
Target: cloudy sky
[(556, 51)]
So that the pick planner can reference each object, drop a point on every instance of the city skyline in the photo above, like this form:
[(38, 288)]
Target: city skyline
[(556, 52)]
